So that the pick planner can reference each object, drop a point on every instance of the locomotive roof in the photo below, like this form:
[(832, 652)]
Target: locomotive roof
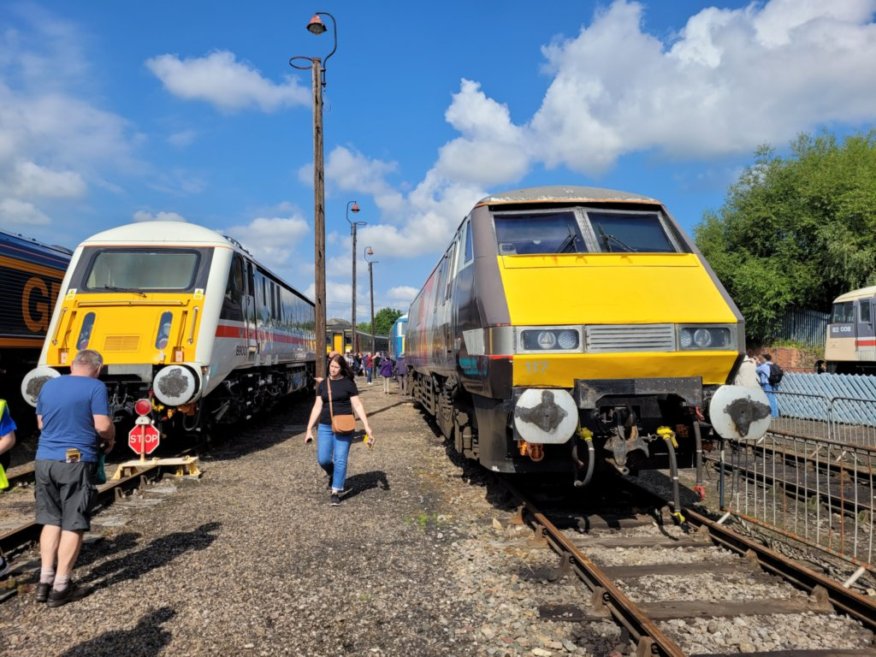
[(160, 232), (565, 193), (863, 293), (26, 248)]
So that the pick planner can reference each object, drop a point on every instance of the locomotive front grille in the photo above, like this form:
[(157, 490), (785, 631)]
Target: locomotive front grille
[(121, 343), (633, 337)]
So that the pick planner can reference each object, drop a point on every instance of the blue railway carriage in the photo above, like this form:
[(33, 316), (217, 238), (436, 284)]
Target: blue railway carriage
[(184, 316), (397, 337), (568, 325), (30, 280), (850, 346)]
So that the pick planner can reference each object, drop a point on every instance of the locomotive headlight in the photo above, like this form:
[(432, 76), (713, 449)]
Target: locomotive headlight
[(705, 337), (546, 340), (549, 339), (702, 338)]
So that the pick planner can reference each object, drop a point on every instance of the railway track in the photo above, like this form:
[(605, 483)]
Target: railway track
[(672, 593)]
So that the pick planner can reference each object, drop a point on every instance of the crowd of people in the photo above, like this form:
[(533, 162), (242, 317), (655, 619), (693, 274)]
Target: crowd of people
[(371, 366)]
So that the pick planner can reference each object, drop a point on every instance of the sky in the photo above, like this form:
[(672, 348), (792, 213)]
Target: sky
[(113, 113)]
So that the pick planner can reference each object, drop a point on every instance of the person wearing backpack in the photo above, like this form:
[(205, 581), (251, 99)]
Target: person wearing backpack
[(767, 373)]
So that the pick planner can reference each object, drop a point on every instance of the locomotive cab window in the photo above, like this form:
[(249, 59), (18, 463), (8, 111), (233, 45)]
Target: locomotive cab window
[(160, 270), (618, 232), (843, 313), (543, 233), (865, 311)]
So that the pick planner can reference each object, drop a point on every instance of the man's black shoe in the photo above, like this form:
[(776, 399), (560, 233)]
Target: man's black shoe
[(336, 499), (71, 593), (42, 593)]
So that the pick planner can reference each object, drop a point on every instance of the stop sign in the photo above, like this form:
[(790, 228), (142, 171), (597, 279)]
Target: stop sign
[(143, 438)]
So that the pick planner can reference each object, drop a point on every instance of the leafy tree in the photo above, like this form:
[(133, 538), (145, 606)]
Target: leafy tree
[(383, 321), (796, 232)]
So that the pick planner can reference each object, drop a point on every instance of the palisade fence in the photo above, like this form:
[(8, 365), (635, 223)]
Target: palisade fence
[(812, 477), (804, 326)]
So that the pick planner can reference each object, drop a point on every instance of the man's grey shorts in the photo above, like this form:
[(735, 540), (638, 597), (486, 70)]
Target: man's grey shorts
[(64, 494)]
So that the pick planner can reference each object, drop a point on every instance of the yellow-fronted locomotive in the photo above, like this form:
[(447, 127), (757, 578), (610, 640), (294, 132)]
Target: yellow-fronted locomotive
[(184, 316), (567, 323)]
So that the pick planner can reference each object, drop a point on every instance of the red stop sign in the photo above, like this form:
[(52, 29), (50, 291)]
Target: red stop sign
[(143, 438)]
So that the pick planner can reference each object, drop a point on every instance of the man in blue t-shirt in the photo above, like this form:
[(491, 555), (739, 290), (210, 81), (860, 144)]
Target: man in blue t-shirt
[(73, 414)]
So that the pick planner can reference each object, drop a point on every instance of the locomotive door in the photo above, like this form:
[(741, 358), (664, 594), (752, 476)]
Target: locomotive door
[(250, 328), (866, 337)]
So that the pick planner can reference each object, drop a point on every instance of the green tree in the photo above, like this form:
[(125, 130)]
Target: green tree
[(796, 232), (383, 321)]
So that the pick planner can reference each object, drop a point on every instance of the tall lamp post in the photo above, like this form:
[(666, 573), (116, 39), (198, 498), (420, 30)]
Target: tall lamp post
[(369, 254), (317, 67), (352, 206)]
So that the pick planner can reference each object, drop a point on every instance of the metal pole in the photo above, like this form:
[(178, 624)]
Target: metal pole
[(319, 216), (355, 332), (371, 283)]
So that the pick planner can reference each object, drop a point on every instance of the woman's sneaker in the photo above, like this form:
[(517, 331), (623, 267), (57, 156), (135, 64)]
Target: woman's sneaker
[(336, 499)]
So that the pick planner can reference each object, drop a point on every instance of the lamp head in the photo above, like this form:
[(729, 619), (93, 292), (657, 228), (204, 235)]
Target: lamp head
[(316, 26), (369, 251), (354, 207)]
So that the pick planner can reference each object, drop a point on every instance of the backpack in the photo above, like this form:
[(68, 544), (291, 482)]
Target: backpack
[(776, 374)]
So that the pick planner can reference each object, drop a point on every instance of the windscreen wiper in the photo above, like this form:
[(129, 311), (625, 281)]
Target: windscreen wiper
[(571, 240), (113, 288), (608, 238)]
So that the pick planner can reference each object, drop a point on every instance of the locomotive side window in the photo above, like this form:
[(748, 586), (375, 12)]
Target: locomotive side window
[(525, 234), (451, 269), (139, 269), (843, 313), (618, 232), (469, 248), (865, 311), (231, 306)]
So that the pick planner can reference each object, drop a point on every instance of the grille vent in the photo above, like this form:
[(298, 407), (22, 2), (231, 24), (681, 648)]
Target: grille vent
[(636, 337), (121, 343)]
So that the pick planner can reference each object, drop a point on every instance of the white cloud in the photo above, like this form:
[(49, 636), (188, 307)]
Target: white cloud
[(733, 79), (272, 240), (55, 141), (402, 294), (143, 215), (30, 180), (221, 80), (492, 149), (15, 212)]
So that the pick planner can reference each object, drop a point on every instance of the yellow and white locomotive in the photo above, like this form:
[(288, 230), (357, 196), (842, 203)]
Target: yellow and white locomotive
[(183, 315), (564, 322)]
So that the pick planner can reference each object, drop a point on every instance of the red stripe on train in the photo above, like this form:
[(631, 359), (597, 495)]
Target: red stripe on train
[(868, 342)]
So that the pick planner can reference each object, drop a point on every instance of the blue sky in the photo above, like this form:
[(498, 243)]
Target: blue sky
[(118, 112)]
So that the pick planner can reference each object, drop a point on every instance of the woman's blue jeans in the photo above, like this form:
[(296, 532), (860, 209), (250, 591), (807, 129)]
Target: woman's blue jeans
[(332, 451), (368, 371)]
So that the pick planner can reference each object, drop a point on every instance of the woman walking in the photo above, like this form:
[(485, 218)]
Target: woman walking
[(336, 395), (386, 373)]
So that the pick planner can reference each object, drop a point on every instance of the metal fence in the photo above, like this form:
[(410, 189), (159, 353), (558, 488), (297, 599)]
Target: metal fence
[(817, 492), (804, 326), (812, 477)]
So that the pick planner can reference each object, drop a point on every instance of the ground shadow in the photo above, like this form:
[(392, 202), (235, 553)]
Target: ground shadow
[(157, 553), (364, 481), (146, 639)]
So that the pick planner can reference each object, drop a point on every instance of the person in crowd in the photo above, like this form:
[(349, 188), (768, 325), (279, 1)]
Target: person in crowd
[(763, 377), (357, 364), (333, 448), (73, 414), (368, 362), (386, 371), (401, 373), (7, 442), (747, 374)]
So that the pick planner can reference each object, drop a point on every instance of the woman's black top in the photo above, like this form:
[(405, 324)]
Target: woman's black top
[(342, 390)]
